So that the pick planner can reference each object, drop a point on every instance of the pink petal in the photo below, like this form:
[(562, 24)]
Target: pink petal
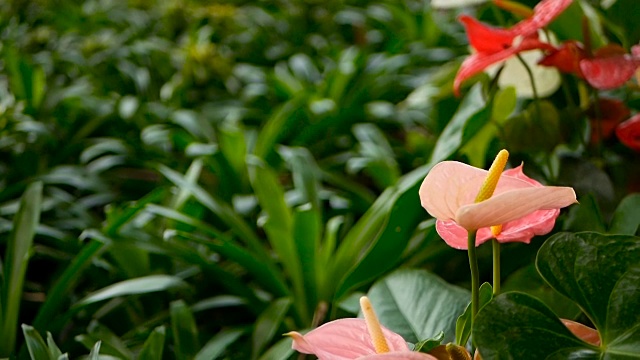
[(476, 63), (609, 72), (343, 339), (521, 230), (512, 205), (583, 332), (451, 184), (543, 14), (402, 355)]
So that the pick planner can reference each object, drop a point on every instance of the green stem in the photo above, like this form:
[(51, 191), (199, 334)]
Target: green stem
[(598, 116), (533, 86), (475, 277), (496, 266)]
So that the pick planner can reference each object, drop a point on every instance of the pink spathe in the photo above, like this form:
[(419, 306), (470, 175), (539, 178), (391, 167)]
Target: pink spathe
[(348, 339), (523, 206)]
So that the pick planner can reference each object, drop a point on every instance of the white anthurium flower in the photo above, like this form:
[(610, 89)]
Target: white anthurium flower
[(451, 4), (547, 79)]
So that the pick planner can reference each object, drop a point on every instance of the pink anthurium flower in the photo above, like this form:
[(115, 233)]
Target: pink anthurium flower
[(349, 339), (521, 205), (493, 45)]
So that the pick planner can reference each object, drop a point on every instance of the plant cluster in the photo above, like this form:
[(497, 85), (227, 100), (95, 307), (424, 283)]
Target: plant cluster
[(191, 179)]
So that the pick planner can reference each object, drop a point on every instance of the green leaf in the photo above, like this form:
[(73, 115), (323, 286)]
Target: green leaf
[(219, 208), (480, 139), (537, 128), (54, 350), (37, 348), (95, 351), (518, 326), (185, 333), (267, 325), (463, 324), (427, 345), (529, 281), (585, 216), (417, 304), (110, 344), (215, 347), (279, 125), (596, 271), (280, 351), (15, 265), (473, 107), (307, 230), (153, 346), (58, 293), (625, 219), (142, 285), (375, 244), (278, 225)]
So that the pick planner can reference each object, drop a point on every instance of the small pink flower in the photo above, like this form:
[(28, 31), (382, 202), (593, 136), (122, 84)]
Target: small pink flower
[(348, 339), (522, 206), (493, 45)]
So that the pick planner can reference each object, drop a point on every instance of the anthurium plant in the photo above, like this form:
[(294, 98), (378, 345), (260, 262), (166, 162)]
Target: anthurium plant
[(597, 272), (301, 179)]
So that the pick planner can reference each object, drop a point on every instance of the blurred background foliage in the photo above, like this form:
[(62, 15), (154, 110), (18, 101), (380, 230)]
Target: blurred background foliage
[(206, 176)]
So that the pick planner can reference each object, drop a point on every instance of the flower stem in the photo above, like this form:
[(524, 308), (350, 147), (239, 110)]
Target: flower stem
[(496, 266), (536, 99), (475, 277)]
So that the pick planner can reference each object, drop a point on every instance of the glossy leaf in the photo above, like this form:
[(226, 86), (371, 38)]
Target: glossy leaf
[(267, 325), (216, 347), (142, 285), (38, 350), (472, 108), (95, 351), (15, 264), (418, 305), (153, 346), (184, 330), (625, 219), (596, 271), (517, 326)]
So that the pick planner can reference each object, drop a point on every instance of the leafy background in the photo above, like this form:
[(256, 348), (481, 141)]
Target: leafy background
[(191, 179)]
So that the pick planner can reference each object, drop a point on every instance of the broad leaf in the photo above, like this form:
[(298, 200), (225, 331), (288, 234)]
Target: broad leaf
[(418, 305), (601, 274), (517, 326)]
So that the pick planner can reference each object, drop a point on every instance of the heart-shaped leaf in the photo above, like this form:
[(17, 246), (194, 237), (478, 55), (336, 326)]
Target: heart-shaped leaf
[(600, 274), (418, 305), (597, 272), (517, 326)]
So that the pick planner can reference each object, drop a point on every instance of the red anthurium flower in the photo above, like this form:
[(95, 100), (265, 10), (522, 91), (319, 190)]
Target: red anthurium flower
[(609, 69), (629, 132), (566, 58), (611, 112), (493, 45)]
